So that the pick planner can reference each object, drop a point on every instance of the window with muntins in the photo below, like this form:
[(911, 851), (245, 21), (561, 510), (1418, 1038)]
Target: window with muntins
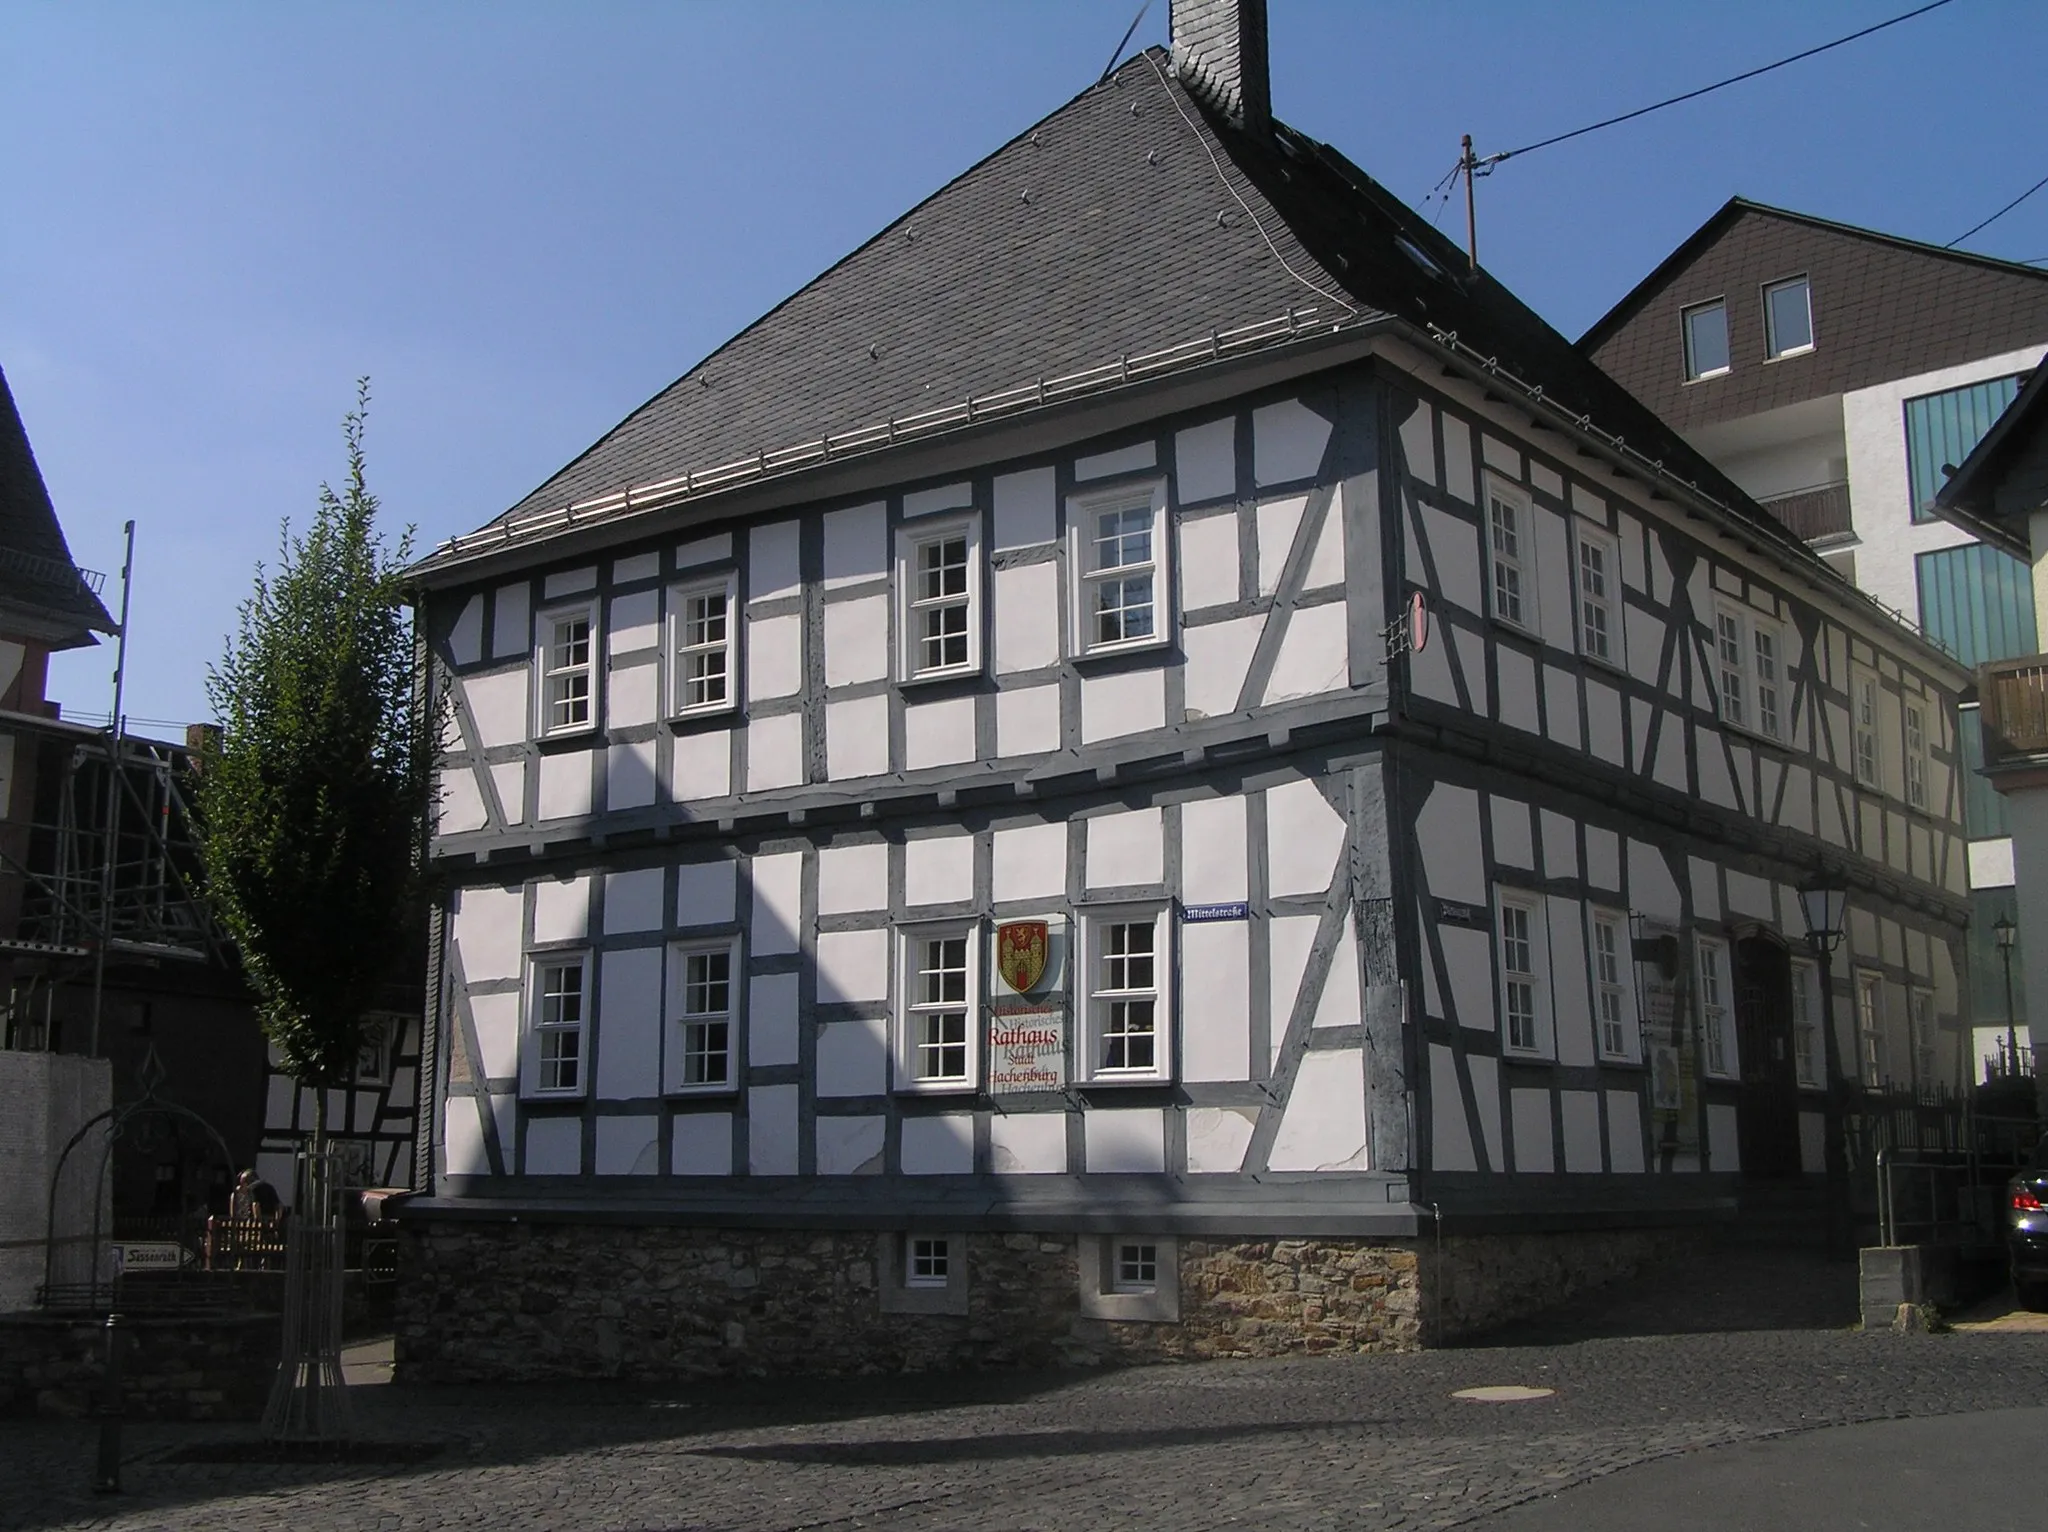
[(1599, 615), (940, 1023), (1863, 718), (928, 1260), (1731, 667), (1127, 998), (1119, 555), (1920, 1017), (1806, 1021), (568, 671), (1788, 318), (1870, 1024), (1942, 428), (1706, 339), (1521, 977), (1611, 981), (701, 661), (703, 1034), (1512, 586), (559, 1007), (1137, 1267), (1715, 1026), (938, 587), (1916, 753)]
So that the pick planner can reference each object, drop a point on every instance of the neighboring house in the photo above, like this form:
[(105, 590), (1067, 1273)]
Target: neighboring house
[(1834, 372), (2000, 494), (940, 815)]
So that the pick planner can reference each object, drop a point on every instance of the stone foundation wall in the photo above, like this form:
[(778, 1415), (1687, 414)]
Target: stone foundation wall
[(1475, 1282), (174, 1369)]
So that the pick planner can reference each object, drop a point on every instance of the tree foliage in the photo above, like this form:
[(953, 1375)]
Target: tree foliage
[(312, 797)]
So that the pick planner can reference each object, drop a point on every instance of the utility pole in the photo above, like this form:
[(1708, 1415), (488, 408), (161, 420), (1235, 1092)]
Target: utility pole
[(1468, 162), (113, 811)]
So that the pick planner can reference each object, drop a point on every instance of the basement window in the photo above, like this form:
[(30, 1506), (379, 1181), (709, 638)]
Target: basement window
[(1133, 1277)]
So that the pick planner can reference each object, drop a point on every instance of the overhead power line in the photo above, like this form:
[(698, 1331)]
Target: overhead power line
[(1987, 223)]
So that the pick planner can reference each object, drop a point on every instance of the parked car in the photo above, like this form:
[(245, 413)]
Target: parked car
[(2026, 1229)]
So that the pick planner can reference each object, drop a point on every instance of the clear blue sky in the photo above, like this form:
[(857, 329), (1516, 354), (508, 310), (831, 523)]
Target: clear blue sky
[(521, 220)]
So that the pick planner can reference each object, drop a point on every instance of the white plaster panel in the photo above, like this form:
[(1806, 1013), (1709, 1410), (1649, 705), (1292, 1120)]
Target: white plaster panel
[(853, 965), (1205, 461), (1625, 1132), (1030, 863), (1560, 844), (1418, 439), (1669, 766), (1642, 644), (1546, 479), (1468, 956), (1215, 1000), (1278, 521), (857, 738), (1513, 846), (1314, 655), (1706, 889), (628, 1146), (1208, 561), (851, 1146), (632, 900), (462, 1137), (638, 566), (634, 623), (701, 766), (856, 545), (1517, 689), (488, 936), (459, 803), (565, 785), (1326, 564), (1124, 848), (938, 869), (700, 1144), (1813, 1139), (1323, 1127), (1125, 1140), (1450, 1138), (1213, 865), (1485, 1074), (1338, 1005), (773, 568), (1119, 460), (1304, 838), (1579, 1111), (554, 1146), (938, 733), (508, 780), (1534, 1150), (853, 1057), (1561, 707), (853, 878), (632, 695), (497, 704), (1028, 1143), (1716, 785), (1028, 720), (1553, 555), (856, 641), (1991, 863), (569, 582), (1750, 896), (1218, 656), (1027, 508), (1027, 602), (945, 497), (778, 902), (1287, 442), (1724, 1149), (1500, 456), (705, 550), (1570, 979), (775, 752), (1128, 702), (705, 894), (939, 1146), (561, 909), (775, 657), (1651, 888), (1458, 468), (1603, 859), (496, 1021), (629, 775), (1604, 741), (772, 1020), (1447, 831), (1288, 939), (1454, 546), (1218, 1137), (771, 1130), (465, 639)]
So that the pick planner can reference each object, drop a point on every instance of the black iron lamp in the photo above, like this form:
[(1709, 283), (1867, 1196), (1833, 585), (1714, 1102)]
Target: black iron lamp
[(1823, 902), (2007, 933)]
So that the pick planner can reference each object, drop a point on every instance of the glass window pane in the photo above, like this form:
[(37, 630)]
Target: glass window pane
[(1942, 428), (1706, 340), (1979, 601), (1788, 315)]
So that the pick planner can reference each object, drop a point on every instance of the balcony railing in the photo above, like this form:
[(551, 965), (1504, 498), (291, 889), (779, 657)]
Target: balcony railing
[(2014, 694), (1813, 514)]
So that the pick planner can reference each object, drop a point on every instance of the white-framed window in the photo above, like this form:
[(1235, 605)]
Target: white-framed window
[(1134, 1265), (938, 588), (921, 1273), (1808, 1058), (1731, 666), (1599, 576), (1510, 525), (1705, 327), (703, 1033), (1920, 1016), (1788, 318), (703, 626), (1119, 552), (1870, 1027), (1767, 656), (1613, 984), (1522, 951), (1749, 671), (565, 667), (938, 1033), (1717, 1024), (1915, 712), (927, 1260), (557, 1019), (1863, 714), (1127, 995)]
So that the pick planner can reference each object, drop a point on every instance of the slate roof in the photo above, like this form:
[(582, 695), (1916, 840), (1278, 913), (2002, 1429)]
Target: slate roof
[(1128, 220), (39, 583)]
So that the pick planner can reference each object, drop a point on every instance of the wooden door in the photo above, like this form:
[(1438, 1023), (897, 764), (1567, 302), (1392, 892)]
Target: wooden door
[(1768, 1115)]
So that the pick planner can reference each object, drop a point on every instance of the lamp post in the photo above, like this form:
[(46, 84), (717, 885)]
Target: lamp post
[(2006, 932), (1822, 903)]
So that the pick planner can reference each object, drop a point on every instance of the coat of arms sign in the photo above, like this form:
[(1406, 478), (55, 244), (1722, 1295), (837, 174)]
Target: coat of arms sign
[(1021, 953)]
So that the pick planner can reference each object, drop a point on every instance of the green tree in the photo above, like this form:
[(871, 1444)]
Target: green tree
[(312, 797)]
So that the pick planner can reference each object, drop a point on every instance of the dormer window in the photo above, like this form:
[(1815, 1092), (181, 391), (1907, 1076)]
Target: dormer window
[(1706, 340), (1788, 318)]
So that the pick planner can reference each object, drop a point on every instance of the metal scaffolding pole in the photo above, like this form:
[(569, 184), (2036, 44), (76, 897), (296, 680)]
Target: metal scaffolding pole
[(113, 811)]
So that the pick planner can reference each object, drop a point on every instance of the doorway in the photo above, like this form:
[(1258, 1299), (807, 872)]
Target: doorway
[(1767, 1119)]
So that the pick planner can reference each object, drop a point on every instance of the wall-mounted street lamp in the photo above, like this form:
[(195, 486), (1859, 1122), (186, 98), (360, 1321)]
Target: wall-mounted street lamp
[(1823, 901), (2006, 932)]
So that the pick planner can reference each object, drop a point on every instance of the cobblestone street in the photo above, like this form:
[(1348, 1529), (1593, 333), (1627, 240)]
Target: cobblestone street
[(1746, 1347)]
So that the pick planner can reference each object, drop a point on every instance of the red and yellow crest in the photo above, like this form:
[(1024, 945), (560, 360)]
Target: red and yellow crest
[(1020, 953)]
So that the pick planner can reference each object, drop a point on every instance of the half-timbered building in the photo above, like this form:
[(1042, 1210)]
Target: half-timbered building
[(1150, 765)]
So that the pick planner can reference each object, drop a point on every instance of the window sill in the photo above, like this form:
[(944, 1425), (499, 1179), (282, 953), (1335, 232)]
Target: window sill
[(940, 677), (1618, 1061), (688, 716), (581, 731), (693, 1092), (1117, 651), (1790, 353), (941, 1088), (1708, 377), (1510, 1055), (1124, 1082)]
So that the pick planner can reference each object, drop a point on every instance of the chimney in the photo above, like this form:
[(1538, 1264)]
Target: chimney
[(1219, 52)]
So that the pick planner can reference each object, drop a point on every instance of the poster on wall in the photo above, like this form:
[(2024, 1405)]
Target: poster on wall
[(1027, 1051), (1662, 990), (1027, 1036)]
